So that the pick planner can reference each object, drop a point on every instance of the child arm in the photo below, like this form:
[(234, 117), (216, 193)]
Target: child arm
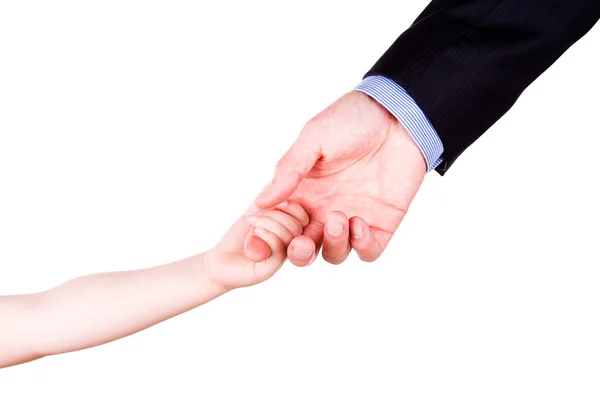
[(99, 308)]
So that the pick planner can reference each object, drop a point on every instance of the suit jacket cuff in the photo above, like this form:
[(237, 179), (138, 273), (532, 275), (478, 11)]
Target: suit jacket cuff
[(402, 106)]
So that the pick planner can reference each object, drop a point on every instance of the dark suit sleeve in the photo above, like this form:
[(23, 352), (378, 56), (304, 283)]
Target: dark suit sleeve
[(465, 62)]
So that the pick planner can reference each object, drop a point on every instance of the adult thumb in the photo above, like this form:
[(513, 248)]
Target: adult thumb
[(291, 169)]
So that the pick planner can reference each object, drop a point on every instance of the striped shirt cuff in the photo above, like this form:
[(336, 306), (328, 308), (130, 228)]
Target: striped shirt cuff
[(400, 104)]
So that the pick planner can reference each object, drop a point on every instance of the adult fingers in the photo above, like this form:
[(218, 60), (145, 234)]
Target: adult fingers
[(336, 246), (368, 242)]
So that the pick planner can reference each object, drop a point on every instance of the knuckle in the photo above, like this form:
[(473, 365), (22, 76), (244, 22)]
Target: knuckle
[(315, 125), (311, 125)]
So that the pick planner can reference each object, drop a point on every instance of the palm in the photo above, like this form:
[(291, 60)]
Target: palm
[(367, 167), (354, 158), (371, 188)]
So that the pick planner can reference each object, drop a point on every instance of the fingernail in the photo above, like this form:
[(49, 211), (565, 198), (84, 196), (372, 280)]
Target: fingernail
[(357, 232), (283, 203), (259, 231), (302, 253), (334, 228)]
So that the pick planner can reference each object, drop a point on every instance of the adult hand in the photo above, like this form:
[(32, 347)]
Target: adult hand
[(355, 170)]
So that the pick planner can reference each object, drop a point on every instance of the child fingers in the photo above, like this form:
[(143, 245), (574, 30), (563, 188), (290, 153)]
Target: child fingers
[(278, 248), (295, 210), (270, 224), (289, 222)]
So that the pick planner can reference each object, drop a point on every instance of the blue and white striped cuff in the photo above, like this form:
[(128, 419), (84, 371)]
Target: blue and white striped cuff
[(402, 106)]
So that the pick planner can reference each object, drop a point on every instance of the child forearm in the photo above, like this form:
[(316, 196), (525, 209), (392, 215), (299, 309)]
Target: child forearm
[(108, 306), (99, 308)]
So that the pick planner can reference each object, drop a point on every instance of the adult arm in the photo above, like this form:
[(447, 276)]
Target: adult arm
[(444, 82), (465, 63)]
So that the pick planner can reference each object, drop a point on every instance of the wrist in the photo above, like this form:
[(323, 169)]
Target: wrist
[(212, 283), (397, 133), (411, 150), (400, 104)]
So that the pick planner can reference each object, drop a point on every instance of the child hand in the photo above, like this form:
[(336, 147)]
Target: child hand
[(227, 265)]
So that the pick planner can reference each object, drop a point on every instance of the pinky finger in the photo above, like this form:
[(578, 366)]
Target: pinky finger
[(278, 248)]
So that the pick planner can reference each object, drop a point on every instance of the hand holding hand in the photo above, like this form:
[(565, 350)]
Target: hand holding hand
[(355, 170), (264, 236)]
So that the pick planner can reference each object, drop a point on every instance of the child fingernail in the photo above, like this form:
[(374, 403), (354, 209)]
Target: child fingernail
[(283, 203)]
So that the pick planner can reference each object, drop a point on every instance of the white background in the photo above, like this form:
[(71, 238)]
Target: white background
[(133, 133)]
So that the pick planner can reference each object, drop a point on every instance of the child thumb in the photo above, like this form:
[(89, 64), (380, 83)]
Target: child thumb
[(256, 250)]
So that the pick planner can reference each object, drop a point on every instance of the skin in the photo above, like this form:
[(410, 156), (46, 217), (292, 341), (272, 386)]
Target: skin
[(355, 170), (96, 309), (352, 172)]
